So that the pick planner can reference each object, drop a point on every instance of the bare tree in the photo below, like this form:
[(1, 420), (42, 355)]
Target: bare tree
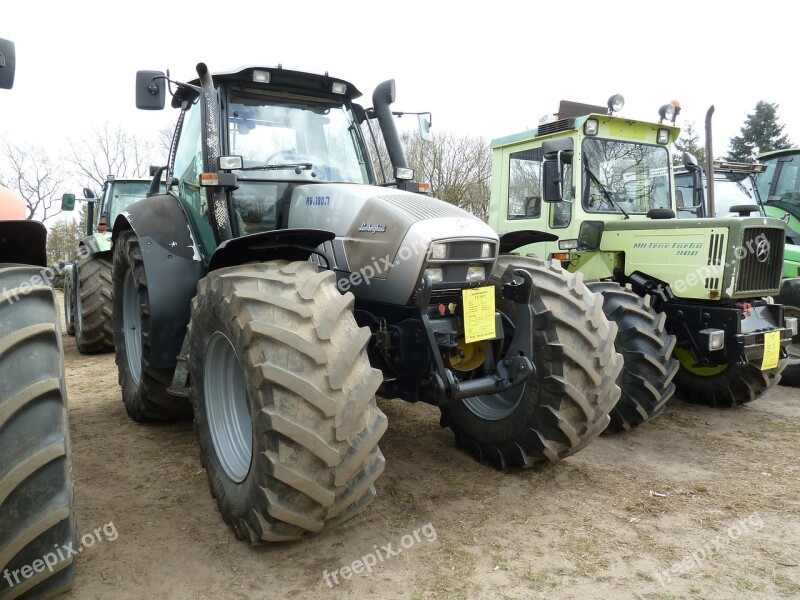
[(110, 150), (458, 168), (36, 177)]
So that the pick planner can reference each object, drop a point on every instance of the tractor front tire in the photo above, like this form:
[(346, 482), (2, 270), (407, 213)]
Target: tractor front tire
[(723, 386), (144, 387), (646, 348), (790, 298), (284, 400), (566, 403), (94, 321), (37, 515)]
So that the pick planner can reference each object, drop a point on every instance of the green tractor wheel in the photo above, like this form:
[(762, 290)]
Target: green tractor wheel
[(726, 385), (646, 348), (790, 298), (284, 399), (566, 403), (144, 387), (94, 324)]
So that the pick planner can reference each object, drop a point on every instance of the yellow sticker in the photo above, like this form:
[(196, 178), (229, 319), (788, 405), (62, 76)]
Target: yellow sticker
[(479, 314), (772, 350)]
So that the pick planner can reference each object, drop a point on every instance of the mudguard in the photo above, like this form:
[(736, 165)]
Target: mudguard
[(287, 244), (23, 242), (173, 266), (511, 240)]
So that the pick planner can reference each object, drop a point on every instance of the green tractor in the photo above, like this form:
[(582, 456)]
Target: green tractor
[(779, 186), (276, 288), (690, 296), (37, 516), (87, 281)]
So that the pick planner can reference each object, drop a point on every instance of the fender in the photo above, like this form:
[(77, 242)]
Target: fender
[(511, 240), (288, 244), (23, 242), (173, 265)]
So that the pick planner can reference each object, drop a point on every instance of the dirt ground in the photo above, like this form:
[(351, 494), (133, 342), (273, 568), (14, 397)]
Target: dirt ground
[(700, 503)]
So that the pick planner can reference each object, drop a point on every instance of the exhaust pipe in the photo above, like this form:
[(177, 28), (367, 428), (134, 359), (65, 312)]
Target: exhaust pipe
[(382, 97), (709, 163)]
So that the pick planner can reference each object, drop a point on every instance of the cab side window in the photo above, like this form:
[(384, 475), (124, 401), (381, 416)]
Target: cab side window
[(525, 184)]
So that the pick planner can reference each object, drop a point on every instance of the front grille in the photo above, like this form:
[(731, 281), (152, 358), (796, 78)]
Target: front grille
[(761, 267)]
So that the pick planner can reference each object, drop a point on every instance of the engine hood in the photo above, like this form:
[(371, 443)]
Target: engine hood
[(372, 224)]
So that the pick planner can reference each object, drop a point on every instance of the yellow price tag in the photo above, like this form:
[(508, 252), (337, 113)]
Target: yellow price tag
[(772, 350), (479, 314)]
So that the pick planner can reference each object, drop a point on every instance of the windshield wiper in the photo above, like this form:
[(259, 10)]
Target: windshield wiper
[(298, 167), (604, 190)]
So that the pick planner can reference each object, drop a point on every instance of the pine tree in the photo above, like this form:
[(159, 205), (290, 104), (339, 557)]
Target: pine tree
[(760, 133), (689, 141)]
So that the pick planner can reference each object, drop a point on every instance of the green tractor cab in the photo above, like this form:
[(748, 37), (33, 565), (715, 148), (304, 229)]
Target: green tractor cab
[(87, 284), (601, 188)]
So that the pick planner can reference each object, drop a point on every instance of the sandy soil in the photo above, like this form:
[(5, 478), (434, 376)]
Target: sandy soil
[(701, 503)]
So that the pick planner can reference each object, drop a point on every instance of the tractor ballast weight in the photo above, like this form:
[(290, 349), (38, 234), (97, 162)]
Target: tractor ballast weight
[(278, 288)]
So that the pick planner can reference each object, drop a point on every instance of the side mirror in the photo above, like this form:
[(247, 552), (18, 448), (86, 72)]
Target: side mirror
[(68, 202), (425, 126), (87, 193), (8, 64), (553, 191), (150, 90), (690, 162)]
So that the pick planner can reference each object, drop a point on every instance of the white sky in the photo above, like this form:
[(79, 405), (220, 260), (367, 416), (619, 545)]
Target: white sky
[(483, 68)]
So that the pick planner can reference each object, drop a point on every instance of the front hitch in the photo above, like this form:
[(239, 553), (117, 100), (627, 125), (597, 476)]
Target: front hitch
[(513, 370)]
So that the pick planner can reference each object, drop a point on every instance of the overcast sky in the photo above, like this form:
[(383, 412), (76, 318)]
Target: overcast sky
[(483, 68)]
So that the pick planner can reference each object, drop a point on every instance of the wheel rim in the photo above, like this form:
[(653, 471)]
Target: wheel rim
[(228, 408), (77, 316), (689, 361), (132, 327), (68, 302), (493, 407)]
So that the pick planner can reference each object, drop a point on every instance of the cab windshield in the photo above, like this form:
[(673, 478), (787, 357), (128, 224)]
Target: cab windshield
[(300, 140), (121, 195), (787, 186), (633, 177)]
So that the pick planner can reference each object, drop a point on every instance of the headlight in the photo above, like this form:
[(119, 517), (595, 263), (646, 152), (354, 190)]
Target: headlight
[(439, 251), (713, 339), (476, 273), (486, 251), (436, 275), (590, 127), (663, 136)]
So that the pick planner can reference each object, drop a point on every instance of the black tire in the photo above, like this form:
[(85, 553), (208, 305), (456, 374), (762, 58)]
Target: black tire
[(94, 320), (144, 388), (724, 386), (790, 298), (69, 300), (306, 401), (37, 514), (646, 348), (566, 404)]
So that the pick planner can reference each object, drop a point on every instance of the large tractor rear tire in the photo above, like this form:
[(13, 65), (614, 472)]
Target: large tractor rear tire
[(69, 300), (790, 298), (37, 516), (723, 386), (567, 402), (144, 388), (284, 400), (646, 348), (94, 321)]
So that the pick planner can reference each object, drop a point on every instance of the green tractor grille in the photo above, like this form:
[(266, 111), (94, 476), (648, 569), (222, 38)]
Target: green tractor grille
[(760, 269)]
